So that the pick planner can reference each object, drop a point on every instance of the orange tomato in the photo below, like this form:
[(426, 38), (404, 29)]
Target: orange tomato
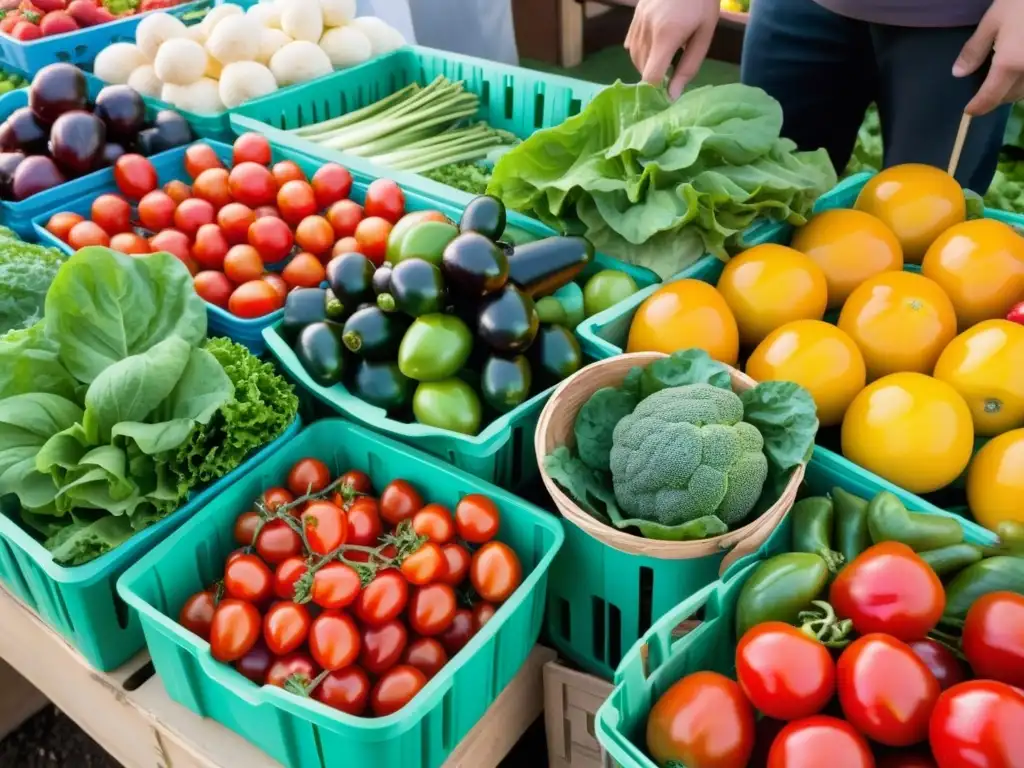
[(850, 247), (917, 202), (817, 356), (683, 315), (995, 481), (769, 286), (980, 264), (900, 321), (985, 364), (911, 429)]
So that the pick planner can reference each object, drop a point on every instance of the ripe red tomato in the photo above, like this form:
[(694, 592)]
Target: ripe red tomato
[(345, 245), (331, 183), (256, 663), (820, 740), (248, 578), (130, 243), (459, 632), (336, 586), (174, 242), (60, 224), (245, 528), (192, 214), (252, 184), (325, 525), (113, 213), (86, 233), (276, 282), (286, 171), (372, 238), (296, 665), (296, 201), (272, 238), (156, 211), (399, 501), (993, 637), (210, 247), (702, 720), (200, 157), (334, 640), (285, 627), (784, 673), (242, 263), (347, 690), (384, 198), (435, 522), (277, 542), (276, 497), (212, 186), (383, 599), (178, 191), (214, 287), (315, 235), (364, 525), (396, 688), (304, 271), (424, 566), (457, 560), (432, 609), (344, 216), (477, 519), (234, 629), (234, 219), (888, 588), (308, 476), (288, 572), (383, 646), (483, 612), (886, 691), (426, 654), (267, 210), (251, 148), (197, 614), (979, 724), (358, 482), (495, 572), (941, 661), (257, 298), (135, 176)]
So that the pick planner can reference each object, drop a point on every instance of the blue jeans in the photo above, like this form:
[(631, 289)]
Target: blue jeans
[(826, 69)]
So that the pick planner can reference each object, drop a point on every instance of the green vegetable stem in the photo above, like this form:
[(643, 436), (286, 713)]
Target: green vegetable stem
[(889, 520), (952, 559), (851, 527), (780, 588), (812, 530), (994, 574), (822, 624)]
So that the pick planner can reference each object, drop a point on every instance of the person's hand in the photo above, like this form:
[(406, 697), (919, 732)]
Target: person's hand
[(1000, 30), (662, 27)]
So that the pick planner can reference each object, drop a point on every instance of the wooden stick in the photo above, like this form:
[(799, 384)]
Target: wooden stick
[(958, 145)]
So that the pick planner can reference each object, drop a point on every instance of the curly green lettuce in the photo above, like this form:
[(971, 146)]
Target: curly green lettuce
[(26, 272)]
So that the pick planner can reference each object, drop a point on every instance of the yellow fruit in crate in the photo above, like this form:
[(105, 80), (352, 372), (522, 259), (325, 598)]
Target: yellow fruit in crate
[(850, 247), (770, 285), (995, 481), (911, 429), (683, 315), (985, 364), (901, 322), (980, 265), (819, 357), (917, 202)]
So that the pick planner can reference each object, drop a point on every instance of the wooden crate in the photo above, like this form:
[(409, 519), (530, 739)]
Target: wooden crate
[(130, 715), (571, 700)]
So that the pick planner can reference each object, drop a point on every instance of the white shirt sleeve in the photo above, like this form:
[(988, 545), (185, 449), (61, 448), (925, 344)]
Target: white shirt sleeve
[(481, 28)]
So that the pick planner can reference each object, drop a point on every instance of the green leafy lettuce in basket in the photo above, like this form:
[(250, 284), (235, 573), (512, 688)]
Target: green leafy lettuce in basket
[(114, 406), (676, 454)]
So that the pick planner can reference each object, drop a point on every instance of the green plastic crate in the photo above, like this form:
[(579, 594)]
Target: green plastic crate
[(621, 721), (302, 733)]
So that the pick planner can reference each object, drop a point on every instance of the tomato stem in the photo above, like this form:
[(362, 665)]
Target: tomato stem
[(825, 626)]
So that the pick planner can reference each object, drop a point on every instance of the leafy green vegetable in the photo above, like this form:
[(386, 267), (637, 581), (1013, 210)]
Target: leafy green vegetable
[(785, 415), (470, 177), (595, 424), (688, 366), (658, 183), (26, 271)]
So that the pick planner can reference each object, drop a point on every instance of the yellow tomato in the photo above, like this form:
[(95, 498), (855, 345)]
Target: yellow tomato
[(683, 315), (980, 264), (911, 429), (850, 246), (995, 481), (817, 356), (769, 286), (985, 364), (900, 321), (917, 202)]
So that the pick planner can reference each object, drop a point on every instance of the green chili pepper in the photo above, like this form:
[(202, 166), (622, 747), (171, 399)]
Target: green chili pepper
[(889, 520), (1011, 535), (946, 561), (812, 530), (994, 574), (780, 588), (851, 514)]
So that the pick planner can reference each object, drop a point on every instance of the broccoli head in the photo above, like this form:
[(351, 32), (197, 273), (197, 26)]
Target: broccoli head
[(686, 452)]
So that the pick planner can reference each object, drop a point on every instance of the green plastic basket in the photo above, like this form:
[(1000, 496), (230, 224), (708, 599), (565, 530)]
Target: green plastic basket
[(302, 733), (661, 658)]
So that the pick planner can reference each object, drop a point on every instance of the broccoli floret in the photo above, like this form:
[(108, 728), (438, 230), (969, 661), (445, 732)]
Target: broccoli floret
[(684, 453)]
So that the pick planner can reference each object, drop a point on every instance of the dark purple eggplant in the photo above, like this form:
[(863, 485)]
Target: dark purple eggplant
[(34, 175), (169, 130), (9, 162), (76, 142), (21, 132), (122, 110), (110, 154), (56, 89)]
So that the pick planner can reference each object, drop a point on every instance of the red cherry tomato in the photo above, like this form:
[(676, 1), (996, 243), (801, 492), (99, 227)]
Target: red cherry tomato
[(248, 578), (275, 498), (383, 646), (993, 637), (336, 586), (886, 691), (210, 247), (308, 476), (372, 238), (435, 522), (135, 176), (212, 186), (214, 287), (398, 686), (272, 238), (252, 184), (424, 566), (156, 211), (174, 242), (113, 213), (817, 741), (477, 519), (200, 157), (356, 481), (399, 501), (383, 599), (251, 148), (888, 588), (277, 542), (296, 201), (331, 183), (267, 210), (276, 282), (432, 609), (257, 298), (130, 243), (483, 612), (242, 263), (286, 171), (495, 572), (702, 720), (234, 219), (384, 198), (325, 525), (296, 665), (86, 233), (60, 224), (315, 235), (457, 561), (245, 528), (344, 216), (285, 627), (784, 673), (364, 525), (197, 614), (192, 214), (256, 663), (345, 245), (941, 661), (304, 271), (347, 690), (178, 191), (287, 573), (334, 640), (459, 632), (979, 724), (234, 629), (426, 654)]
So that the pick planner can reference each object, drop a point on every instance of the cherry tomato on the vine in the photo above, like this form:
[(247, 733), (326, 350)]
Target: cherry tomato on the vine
[(335, 586), (495, 572), (435, 522), (383, 646), (383, 599), (277, 542), (197, 614), (285, 576), (334, 640), (395, 689), (424, 566), (364, 525), (347, 690), (457, 561), (248, 578), (426, 654), (432, 609), (285, 627), (357, 481), (276, 497), (818, 741), (477, 519), (298, 665), (399, 501), (993, 637), (245, 528), (308, 476), (325, 525), (459, 632), (234, 629)]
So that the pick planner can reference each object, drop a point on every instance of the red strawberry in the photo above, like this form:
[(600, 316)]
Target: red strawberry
[(57, 23), (25, 31)]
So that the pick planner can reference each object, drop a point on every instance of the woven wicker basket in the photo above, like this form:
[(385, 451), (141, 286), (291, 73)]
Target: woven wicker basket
[(555, 428)]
